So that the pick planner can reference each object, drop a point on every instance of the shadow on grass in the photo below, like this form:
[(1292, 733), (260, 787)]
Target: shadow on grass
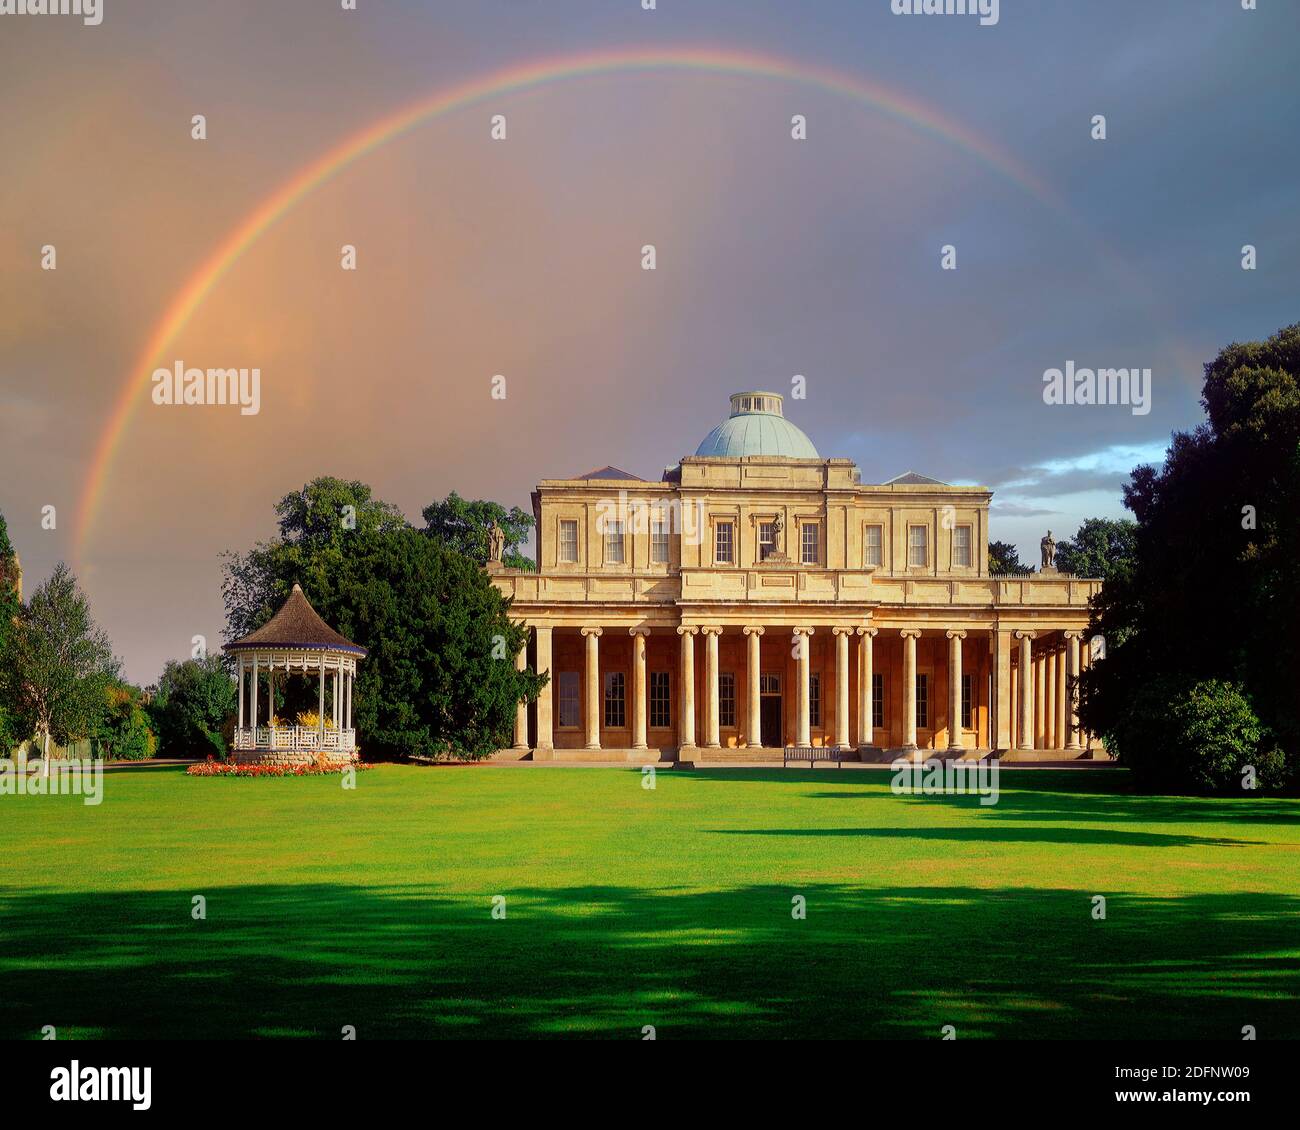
[(897, 962), (1040, 795), (1009, 834)]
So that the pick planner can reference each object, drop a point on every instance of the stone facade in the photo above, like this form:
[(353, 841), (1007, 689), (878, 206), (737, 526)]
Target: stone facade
[(752, 599)]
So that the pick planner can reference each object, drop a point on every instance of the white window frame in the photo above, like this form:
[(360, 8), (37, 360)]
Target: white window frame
[(614, 535), (924, 546), (879, 547), (730, 527), (816, 528), (660, 544), (567, 524), (969, 546)]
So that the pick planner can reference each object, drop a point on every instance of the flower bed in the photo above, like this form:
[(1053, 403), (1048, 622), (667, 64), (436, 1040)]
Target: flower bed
[(211, 768)]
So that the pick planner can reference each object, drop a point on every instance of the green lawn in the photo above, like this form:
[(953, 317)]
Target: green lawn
[(628, 907)]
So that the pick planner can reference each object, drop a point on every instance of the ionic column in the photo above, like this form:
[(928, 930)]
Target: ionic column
[(1072, 691), (1040, 702), (1003, 695), (1061, 708), (755, 714), (866, 687), (1015, 705), (910, 636), (638, 686), (1026, 689), (545, 734), (712, 733), (521, 707), (842, 686), (686, 721), (954, 690), (591, 681), (803, 731)]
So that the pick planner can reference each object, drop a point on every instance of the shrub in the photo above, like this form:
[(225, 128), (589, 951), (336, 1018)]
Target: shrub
[(1198, 736)]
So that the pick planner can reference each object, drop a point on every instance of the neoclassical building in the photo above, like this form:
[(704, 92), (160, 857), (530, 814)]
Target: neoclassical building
[(759, 595)]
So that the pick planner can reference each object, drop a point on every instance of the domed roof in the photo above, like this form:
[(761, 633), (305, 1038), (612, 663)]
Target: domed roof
[(757, 426)]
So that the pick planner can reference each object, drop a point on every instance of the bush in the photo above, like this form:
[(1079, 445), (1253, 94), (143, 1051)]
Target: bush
[(1195, 736)]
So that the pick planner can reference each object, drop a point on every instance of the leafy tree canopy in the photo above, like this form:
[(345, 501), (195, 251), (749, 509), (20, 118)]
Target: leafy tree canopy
[(440, 675), (1005, 558), (1214, 588), (193, 707), (462, 525), (1102, 547), (57, 664), (9, 610), (124, 731)]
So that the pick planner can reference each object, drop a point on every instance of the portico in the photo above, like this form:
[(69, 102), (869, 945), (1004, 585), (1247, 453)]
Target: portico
[(759, 596)]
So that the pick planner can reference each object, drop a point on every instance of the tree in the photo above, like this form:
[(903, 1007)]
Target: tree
[(1102, 547), (315, 524), (1213, 592), (440, 675), (10, 607), (462, 525), (123, 732), (193, 706), (1005, 558), (58, 663)]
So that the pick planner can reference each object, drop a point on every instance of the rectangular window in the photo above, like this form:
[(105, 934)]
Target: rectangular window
[(613, 542), (810, 543), (814, 700), (923, 702), (961, 546), (766, 540), (878, 701), (965, 703), (873, 546), (918, 545), (724, 544), (615, 711), (569, 715), (568, 542), (727, 699), (660, 700), (659, 541)]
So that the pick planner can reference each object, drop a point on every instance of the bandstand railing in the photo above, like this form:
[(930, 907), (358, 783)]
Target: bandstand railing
[(294, 737)]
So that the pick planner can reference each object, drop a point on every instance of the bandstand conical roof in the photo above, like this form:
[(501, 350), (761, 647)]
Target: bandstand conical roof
[(296, 625)]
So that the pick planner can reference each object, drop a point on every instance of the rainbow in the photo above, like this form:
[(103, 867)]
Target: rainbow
[(511, 80)]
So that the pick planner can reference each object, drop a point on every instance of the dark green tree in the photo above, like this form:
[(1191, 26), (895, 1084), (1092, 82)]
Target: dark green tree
[(462, 525), (440, 677), (124, 731), (10, 607), (315, 523), (1005, 558), (1212, 598), (192, 708), (1102, 547), (57, 664)]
